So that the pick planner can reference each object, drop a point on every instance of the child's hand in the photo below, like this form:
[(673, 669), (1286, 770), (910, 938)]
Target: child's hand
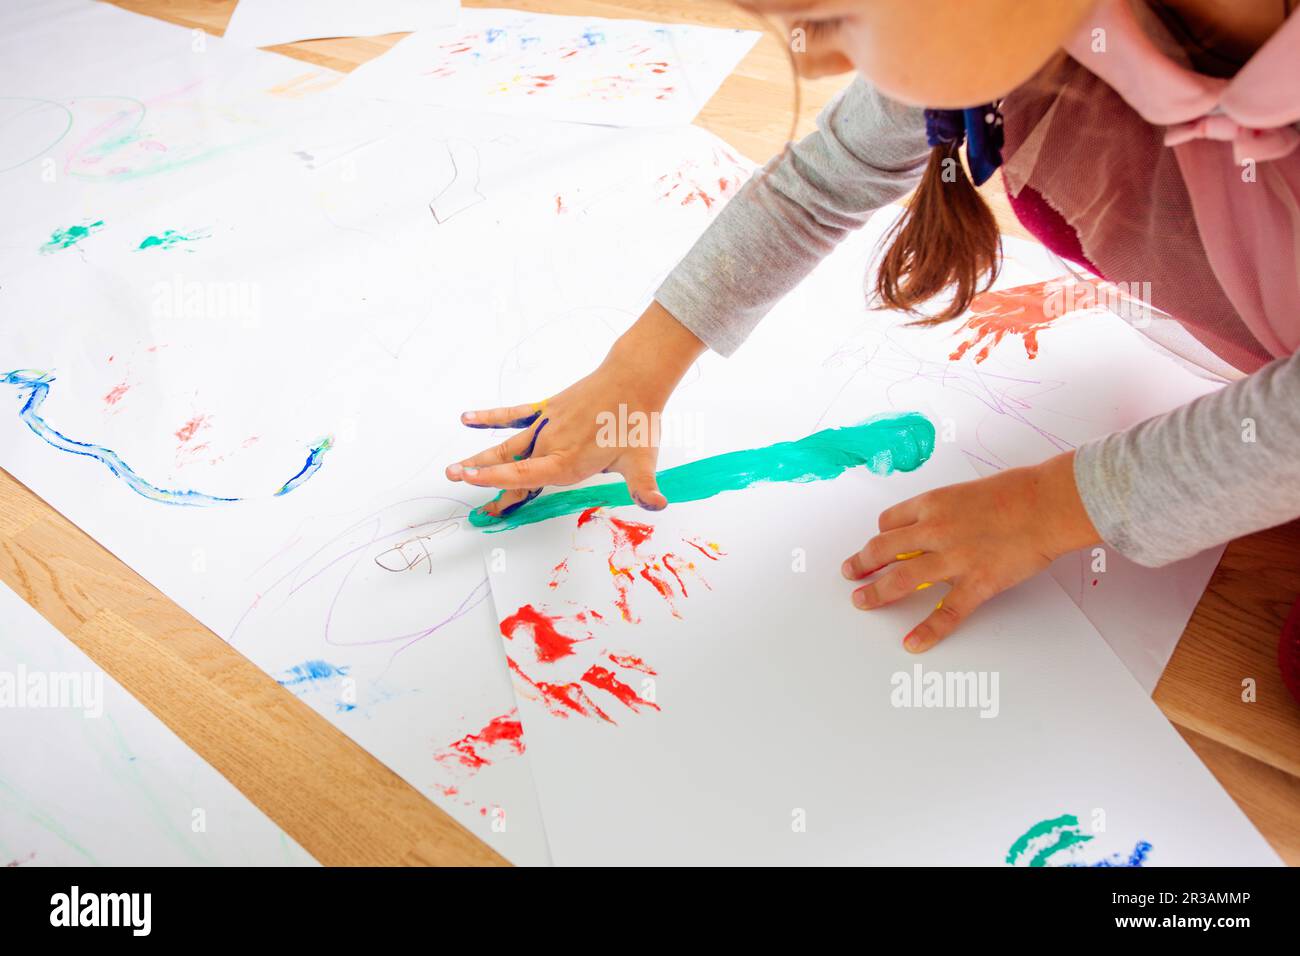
[(561, 442), (981, 536)]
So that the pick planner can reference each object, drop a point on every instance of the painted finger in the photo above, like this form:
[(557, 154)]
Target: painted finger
[(509, 501), (514, 416), (527, 473), (512, 449), (883, 549), (943, 620), (639, 472), (901, 580)]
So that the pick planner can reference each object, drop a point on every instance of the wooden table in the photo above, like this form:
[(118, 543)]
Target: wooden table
[(344, 807)]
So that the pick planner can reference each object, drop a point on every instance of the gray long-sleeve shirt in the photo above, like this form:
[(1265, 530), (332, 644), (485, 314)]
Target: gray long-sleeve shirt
[(1222, 466)]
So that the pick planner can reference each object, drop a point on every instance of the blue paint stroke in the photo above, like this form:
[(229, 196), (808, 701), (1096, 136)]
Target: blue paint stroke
[(312, 674), (1135, 859), (315, 459), (494, 34), (592, 37), (35, 386)]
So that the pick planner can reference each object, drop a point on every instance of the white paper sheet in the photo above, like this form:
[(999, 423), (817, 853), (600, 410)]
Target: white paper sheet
[(1092, 374), (89, 777), (249, 264), (354, 272), (578, 69), (748, 714), (271, 22)]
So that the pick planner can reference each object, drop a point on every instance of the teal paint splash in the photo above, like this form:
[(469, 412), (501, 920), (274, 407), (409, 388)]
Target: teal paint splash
[(883, 445), (69, 237), (170, 238), (34, 386), (1045, 839)]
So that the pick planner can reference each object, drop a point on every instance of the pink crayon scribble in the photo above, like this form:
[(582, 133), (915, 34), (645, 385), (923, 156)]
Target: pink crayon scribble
[(19, 861)]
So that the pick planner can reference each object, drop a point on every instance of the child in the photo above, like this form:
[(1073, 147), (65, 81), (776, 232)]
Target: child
[(1148, 141)]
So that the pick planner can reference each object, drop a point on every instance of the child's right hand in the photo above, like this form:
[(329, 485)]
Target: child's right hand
[(562, 441)]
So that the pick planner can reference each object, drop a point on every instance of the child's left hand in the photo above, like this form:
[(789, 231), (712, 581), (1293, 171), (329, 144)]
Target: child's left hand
[(981, 536)]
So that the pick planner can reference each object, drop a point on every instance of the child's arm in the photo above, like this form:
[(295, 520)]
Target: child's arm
[(1217, 468), (1222, 466), (867, 152)]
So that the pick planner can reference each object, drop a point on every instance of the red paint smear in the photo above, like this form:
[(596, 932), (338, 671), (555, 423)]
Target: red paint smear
[(673, 571), (632, 662), (1094, 582), (630, 534), (558, 574), (661, 586), (559, 204), (468, 751), (622, 581), (700, 548), (587, 515), (1016, 311), (549, 643), (561, 699), (115, 396), (699, 194), (187, 430), (598, 676)]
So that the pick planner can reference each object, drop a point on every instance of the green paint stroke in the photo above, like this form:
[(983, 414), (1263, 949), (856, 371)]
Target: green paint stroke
[(69, 237), (1047, 838), (170, 238), (883, 445)]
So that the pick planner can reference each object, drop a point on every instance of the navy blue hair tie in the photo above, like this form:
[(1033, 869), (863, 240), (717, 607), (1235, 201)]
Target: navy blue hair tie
[(980, 128)]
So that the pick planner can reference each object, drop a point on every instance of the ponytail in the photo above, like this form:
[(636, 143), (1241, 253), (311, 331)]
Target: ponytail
[(946, 239)]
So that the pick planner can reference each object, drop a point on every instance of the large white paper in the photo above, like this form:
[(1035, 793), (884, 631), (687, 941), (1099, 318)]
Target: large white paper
[(578, 69), (1090, 373), (271, 22), (88, 776), (295, 321), (741, 711)]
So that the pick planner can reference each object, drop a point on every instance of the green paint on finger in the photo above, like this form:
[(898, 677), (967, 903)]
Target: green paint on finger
[(882, 445)]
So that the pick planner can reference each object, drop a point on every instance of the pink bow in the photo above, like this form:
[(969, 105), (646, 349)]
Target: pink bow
[(1260, 145)]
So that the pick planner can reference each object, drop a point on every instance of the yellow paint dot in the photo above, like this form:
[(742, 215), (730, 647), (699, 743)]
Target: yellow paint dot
[(939, 605), (924, 584), (908, 555)]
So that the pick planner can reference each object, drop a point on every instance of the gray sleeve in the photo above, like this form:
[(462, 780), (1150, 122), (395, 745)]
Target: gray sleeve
[(1217, 468), (867, 152)]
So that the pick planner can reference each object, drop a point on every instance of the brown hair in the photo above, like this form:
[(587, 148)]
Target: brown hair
[(947, 238)]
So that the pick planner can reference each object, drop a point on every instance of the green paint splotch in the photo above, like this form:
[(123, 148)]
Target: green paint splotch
[(170, 238), (69, 237), (1046, 844), (1046, 838), (882, 445)]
